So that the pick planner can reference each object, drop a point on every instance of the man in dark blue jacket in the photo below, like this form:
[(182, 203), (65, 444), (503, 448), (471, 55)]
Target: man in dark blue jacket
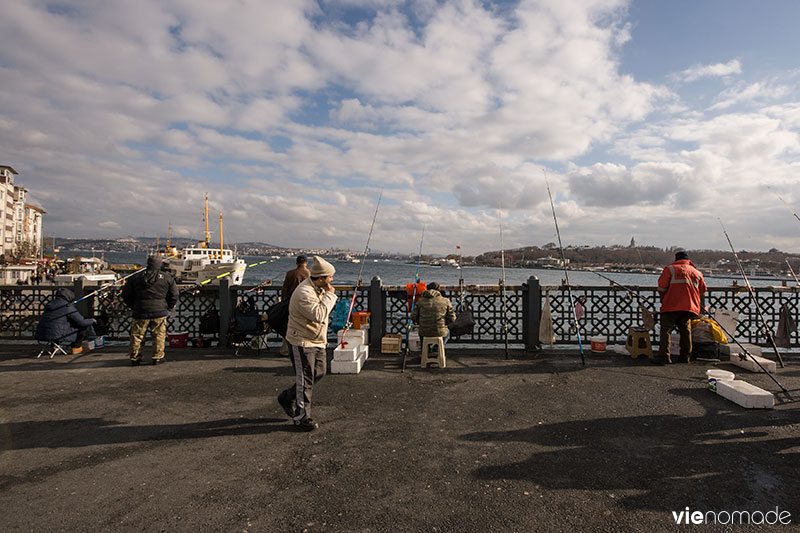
[(61, 322), (151, 295)]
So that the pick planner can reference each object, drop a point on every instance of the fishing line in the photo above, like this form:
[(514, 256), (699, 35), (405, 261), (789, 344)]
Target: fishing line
[(752, 295), (413, 300), (647, 315), (564, 265), (347, 323)]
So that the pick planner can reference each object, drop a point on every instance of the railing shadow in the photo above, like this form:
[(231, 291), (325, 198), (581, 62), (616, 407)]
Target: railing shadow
[(665, 462)]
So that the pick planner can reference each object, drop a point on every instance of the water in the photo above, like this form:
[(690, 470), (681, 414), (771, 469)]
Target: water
[(400, 273)]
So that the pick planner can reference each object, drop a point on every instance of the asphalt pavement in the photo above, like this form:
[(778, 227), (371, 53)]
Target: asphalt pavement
[(535, 442)]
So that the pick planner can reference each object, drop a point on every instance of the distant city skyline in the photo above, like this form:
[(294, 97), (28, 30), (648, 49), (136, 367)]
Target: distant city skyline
[(657, 120)]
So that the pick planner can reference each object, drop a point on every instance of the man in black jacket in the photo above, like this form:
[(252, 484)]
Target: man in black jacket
[(61, 322), (151, 295)]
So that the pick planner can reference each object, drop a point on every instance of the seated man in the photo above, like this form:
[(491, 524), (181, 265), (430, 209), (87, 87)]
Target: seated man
[(61, 322), (433, 312)]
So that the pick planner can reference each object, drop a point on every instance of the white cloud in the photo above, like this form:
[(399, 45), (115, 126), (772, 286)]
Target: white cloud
[(716, 70), (293, 119)]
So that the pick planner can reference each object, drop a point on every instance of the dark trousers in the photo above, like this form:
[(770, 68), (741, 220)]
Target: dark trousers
[(309, 365), (679, 320)]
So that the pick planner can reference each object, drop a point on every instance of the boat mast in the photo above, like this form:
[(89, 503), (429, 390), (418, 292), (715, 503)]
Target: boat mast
[(205, 219), (169, 235)]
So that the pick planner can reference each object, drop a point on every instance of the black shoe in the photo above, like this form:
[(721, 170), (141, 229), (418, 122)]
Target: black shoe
[(136, 362), (306, 424), (662, 361), (158, 361), (287, 404)]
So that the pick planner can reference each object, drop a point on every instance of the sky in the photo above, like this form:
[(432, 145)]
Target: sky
[(665, 122)]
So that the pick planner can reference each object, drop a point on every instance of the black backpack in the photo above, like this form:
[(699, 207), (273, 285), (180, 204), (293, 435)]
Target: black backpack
[(278, 317), (209, 322), (463, 324)]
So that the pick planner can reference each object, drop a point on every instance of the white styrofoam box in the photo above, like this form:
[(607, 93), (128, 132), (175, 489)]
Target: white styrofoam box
[(745, 394), (751, 365), (352, 337), (346, 354), (349, 367), (733, 348), (364, 350)]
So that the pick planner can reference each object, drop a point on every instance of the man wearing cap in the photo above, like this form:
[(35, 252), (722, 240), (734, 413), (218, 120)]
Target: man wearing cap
[(307, 335), (151, 295), (680, 287), (295, 277)]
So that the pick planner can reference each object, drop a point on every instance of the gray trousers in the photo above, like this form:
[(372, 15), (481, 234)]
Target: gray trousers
[(309, 365)]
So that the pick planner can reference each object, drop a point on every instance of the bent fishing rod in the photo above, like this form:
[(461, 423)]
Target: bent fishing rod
[(108, 285), (347, 323), (220, 276), (564, 265), (503, 280), (413, 301), (752, 296)]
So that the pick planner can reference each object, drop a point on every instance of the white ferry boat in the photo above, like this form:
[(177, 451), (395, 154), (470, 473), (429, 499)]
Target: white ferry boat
[(203, 265)]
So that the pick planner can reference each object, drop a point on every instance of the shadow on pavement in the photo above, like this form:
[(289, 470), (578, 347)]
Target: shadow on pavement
[(80, 432), (664, 462)]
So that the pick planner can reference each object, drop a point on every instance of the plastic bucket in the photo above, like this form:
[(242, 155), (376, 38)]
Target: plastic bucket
[(715, 374), (598, 343)]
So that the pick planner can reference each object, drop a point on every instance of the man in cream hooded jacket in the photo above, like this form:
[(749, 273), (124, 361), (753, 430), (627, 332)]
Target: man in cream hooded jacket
[(307, 335)]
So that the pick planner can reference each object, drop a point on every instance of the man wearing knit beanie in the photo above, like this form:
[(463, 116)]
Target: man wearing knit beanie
[(680, 287), (310, 305)]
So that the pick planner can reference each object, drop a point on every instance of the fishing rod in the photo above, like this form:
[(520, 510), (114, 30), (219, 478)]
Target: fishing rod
[(108, 285), (263, 284), (788, 207), (647, 315), (413, 300), (752, 296), (503, 280), (347, 323), (461, 287), (564, 265), (210, 280), (792, 271), (754, 359)]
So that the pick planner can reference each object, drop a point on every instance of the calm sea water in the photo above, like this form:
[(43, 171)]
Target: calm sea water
[(400, 273)]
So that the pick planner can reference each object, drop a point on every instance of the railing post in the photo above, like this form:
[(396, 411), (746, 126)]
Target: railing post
[(225, 309), (532, 314), (79, 289), (377, 313)]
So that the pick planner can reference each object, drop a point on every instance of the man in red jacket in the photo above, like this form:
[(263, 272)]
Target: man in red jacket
[(681, 287)]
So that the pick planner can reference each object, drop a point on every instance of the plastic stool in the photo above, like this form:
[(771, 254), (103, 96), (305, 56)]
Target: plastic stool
[(428, 358), (638, 343)]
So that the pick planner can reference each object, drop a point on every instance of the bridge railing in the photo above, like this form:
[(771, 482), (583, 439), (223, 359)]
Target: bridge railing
[(603, 310)]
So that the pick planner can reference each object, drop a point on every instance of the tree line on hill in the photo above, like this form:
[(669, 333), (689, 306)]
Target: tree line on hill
[(636, 256)]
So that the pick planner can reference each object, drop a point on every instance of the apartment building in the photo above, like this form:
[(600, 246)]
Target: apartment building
[(7, 209), (19, 221)]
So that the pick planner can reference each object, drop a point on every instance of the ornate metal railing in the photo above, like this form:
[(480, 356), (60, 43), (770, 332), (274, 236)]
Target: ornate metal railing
[(610, 311), (486, 303), (604, 310)]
